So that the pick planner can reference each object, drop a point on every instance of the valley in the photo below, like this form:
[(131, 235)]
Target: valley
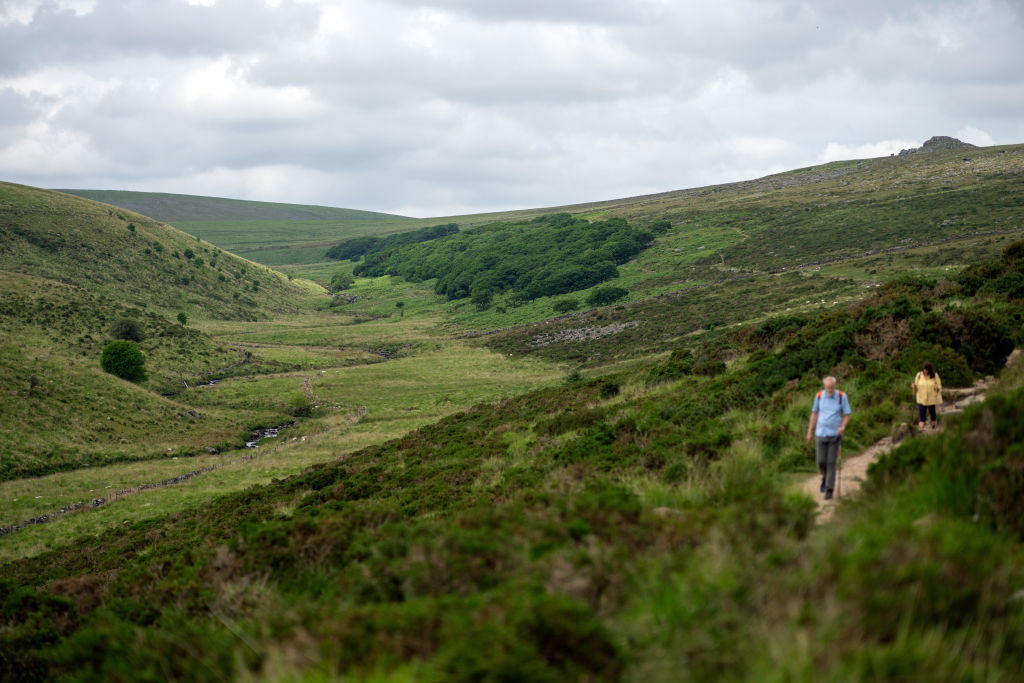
[(567, 481)]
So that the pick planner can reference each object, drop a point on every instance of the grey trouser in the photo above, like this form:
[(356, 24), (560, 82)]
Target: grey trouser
[(828, 453)]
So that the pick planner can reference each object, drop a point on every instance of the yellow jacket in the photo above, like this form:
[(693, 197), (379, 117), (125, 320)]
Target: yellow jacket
[(929, 389)]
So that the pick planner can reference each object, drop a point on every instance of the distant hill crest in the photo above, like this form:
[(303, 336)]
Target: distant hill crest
[(171, 208)]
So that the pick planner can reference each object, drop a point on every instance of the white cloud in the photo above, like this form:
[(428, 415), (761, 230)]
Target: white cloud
[(22, 11), (836, 151), (41, 149), (221, 91), (975, 136)]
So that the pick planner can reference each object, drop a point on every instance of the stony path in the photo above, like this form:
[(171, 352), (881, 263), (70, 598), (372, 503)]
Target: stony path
[(855, 468)]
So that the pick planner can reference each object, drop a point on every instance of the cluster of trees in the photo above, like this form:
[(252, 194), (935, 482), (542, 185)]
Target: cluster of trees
[(357, 247), (547, 256)]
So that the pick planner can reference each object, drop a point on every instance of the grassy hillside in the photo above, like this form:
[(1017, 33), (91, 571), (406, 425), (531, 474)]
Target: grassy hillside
[(258, 228), (636, 526), (811, 212), (132, 258), (70, 271)]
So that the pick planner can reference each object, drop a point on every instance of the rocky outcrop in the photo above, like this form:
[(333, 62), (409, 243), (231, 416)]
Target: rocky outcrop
[(939, 143)]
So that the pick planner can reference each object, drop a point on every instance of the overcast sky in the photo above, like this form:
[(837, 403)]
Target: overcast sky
[(438, 107)]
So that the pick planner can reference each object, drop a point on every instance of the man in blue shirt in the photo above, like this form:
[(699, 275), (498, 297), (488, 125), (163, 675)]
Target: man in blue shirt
[(829, 415)]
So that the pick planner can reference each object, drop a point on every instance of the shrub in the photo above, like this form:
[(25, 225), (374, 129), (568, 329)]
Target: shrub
[(602, 296), (1013, 255), (341, 281), (123, 358), (182, 319), (300, 405), (711, 368), (189, 253), (565, 305), (609, 389), (482, 297), (126, 328), (680, 363), (951, 366)]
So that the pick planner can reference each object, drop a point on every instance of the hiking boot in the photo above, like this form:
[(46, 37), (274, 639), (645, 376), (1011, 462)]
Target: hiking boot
[(828, 494), (822, 489)]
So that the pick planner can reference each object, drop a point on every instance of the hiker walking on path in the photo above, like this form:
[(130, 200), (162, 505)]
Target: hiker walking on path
[(829, 415), (928, 387)]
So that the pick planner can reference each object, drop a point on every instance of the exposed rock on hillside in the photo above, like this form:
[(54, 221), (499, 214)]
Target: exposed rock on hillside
[(939, 143)]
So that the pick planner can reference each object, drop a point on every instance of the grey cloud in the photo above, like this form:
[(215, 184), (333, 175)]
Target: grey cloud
[(116, 28), (500, 104), (14, 108)]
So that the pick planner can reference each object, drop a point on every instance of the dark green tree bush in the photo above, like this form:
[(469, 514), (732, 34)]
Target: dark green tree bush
[(341, 281), (355, 248), (124, 359), (565, 305), (602, 296), (482, 297), (547, 256), (182, 319)]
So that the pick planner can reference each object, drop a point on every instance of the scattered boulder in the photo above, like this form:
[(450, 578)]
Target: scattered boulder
[(211, 450)]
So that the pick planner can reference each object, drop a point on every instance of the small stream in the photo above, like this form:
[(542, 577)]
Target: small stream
[(262, 433)]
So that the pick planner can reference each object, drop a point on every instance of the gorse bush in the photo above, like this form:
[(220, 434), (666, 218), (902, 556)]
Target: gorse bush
[(124, 359)]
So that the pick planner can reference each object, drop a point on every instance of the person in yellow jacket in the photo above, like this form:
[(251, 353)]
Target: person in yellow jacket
[(928, 387)]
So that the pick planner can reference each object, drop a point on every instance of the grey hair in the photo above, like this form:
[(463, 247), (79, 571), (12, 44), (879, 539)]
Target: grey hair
[(827, 378)]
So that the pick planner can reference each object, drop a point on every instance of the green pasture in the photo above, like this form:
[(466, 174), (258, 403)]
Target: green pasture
[(353, 407)]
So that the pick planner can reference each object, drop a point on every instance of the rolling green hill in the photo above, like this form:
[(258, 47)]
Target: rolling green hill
[(258, 229), (132, 258)]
